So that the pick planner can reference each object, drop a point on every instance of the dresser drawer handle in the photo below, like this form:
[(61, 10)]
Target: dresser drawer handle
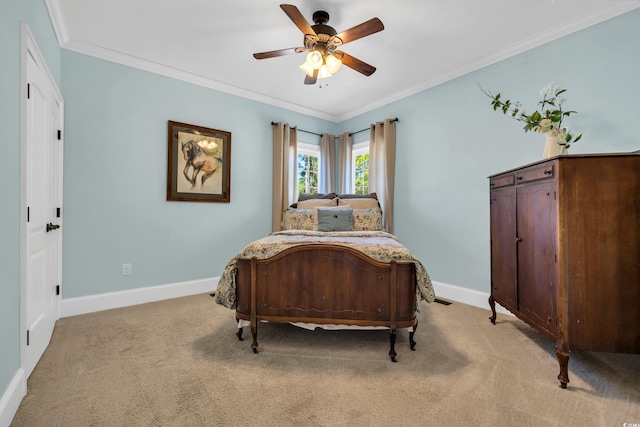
[(548, 171), (519, 178)]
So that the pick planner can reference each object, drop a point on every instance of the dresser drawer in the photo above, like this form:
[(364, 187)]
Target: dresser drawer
[(502, 181), (535, 173)]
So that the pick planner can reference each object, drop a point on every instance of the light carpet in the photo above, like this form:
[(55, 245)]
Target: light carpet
[(178, 363)]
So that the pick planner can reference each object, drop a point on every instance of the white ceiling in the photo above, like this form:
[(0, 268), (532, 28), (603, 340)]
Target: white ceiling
[(424, 43)]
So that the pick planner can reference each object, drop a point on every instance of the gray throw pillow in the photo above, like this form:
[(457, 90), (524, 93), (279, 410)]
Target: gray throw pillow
[(335, 220)]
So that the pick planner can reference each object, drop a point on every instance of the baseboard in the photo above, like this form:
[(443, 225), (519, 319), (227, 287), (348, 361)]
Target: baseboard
[(107, 301), (12, 397), (465, 296)]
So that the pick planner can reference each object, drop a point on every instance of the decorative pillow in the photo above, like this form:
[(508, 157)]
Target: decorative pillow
[(298, 219), (335, 220), (360, 203), (317, 208), (312, 203), (306, 196), (358, 196), (367, 219)]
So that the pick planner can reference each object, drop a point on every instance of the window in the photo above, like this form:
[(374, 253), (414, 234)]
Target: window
[(360, 168), (308, 168)]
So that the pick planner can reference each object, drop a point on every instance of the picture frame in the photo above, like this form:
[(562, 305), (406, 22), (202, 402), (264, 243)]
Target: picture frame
[(199, 164)]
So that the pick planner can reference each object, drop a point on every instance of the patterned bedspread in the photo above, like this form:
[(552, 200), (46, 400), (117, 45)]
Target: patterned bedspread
[(379, 245)]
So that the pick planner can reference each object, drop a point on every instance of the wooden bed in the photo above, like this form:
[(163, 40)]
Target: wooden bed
[(351, 275), (327, 284)]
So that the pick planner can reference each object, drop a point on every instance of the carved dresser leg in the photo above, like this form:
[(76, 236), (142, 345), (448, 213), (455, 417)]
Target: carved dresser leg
[(392, 339), (563, 360), (492, 304)]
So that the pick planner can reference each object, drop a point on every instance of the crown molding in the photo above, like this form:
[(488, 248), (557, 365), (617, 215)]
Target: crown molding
[(54, 8), (174, 73), (605, 13), (56, 15)]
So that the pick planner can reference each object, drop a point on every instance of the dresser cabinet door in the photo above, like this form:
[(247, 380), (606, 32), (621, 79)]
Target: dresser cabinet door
[(503, 247), (537, 237)]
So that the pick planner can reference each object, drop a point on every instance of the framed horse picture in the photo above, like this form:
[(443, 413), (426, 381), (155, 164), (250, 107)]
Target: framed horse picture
[(199, 164)]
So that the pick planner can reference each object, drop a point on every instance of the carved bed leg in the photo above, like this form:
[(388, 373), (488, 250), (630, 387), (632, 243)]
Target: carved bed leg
[(254, 332), (563, 360), (239, 333), (412, 343), (392, 339), (492, 303)]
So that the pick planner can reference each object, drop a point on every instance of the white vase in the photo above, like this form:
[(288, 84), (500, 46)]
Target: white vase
[(551, 146)]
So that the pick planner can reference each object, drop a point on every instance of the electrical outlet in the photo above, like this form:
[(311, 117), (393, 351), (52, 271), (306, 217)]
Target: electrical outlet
[(126, 269)]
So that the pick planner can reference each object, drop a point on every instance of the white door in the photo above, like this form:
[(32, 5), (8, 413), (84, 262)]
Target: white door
[(41, 158)]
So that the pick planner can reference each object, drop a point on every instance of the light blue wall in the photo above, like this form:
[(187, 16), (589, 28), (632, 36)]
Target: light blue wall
[(12, 13), (450, 139), (115, 178)]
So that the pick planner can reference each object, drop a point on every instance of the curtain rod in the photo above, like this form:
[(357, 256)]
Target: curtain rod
[(352, 133), (299, 130), (362, 130)]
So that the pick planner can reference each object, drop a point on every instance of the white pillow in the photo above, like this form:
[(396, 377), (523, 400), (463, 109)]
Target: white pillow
[(359, 203), (312, 203)]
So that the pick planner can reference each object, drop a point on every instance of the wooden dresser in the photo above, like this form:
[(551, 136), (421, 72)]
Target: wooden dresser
[(565, 251)]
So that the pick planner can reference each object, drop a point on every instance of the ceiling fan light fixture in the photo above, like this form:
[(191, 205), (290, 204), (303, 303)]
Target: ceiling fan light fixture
[(314, 59), (324, 72), (333, 63), (308, 70), (321, 42)]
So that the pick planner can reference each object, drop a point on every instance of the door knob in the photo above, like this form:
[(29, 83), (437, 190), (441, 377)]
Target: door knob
[(51, 226)]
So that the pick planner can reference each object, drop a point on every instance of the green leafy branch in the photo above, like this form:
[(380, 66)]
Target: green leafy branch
[(547, 119)]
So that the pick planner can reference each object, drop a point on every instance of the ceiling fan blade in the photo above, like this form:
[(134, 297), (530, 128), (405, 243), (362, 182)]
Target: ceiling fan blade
[(294, 14), (308, 80), (366, 28), (274, 53), (356, 64)]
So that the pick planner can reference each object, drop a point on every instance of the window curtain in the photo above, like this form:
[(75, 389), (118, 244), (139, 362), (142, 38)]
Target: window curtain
[(382, 159), (327, 163), (345, 148), (285, 173)]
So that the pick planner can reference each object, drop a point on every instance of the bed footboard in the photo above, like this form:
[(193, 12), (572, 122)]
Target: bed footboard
[(327, 284)]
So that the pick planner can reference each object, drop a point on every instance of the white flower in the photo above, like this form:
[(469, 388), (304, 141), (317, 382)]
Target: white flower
[(562, 135), (545, 125), (548, 90)]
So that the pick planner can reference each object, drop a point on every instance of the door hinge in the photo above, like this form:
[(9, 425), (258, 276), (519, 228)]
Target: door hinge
[(27, 213), (27, 337), (57, 212), (554, 196), (59, 134), (28, 91), (57, 289)]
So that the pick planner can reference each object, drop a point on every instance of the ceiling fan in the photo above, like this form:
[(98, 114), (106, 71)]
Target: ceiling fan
[(322, 43)]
